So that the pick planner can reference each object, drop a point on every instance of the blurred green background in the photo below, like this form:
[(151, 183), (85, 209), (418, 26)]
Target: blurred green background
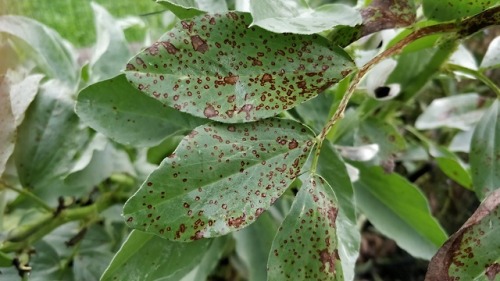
[(73, 19)]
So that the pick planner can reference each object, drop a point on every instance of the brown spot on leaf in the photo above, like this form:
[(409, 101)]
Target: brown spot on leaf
[(210, 111), (199, 44), (231, 79), (492, 271), (236, 222), (266, 78), (171, 49), (328, 260), (293, 144)]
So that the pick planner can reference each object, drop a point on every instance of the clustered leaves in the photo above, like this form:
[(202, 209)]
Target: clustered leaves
[(235, 128)]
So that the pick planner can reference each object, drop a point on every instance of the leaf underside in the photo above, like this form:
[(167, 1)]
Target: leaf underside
[(219, 179), (215, 67)]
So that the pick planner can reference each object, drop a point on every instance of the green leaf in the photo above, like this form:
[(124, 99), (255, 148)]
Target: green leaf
[(220, 179), (49, 139), (145, 256), (209, 261), (7, 125), (199, 68), (189, 8), (460, 111), (5, 260), (424, 65), (253, 245), (390, 141), (122, 113), (111, 50), (451, 165), (22, 94), (55, 54), (333, 169), (446, 10), (295, 16), (491, 58), (315, 112), (305, 247), (390, 198), (471, 253), (485, 152)]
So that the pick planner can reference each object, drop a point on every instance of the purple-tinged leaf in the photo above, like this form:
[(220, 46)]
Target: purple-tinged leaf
[(305, 247), (472, 252), (220, 179), (215, 67)]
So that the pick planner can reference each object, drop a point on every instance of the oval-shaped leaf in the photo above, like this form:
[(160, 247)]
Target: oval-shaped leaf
[(386, 198), (445, 10), (305, 247), (485, 152), (472, 252), (217, 68), (124, 114), (295, 16), (219, 179), (451, 165), (144, 256)]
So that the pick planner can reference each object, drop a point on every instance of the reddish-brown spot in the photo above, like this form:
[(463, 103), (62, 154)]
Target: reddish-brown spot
[(212, 21), (231, 79), (492, 271), (199, 44), (130, 219), (130, 66), (187, 25), (210, 111), (293, 144), (153, 50), (236, 222), (171, 49), (231, 98), (332, 215), (266, 78), (231, 128), (327, 258)]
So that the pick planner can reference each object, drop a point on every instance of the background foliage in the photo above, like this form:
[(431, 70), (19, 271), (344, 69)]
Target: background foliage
[(297, 140)]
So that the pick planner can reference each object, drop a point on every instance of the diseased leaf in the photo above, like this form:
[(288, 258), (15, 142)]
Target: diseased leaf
[(377, 16), (492, 57), (446, 10), (124, 114), (472, 252), (334, 171), (145, 256), (390, 198), (305, 247), (197, 68), (220, 179), (460, 111), (253, 244), (189, 8), (485, 152), (55, 54), (295, 16)]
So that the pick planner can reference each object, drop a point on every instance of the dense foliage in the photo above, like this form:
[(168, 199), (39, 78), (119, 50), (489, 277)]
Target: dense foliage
[(254, 140)]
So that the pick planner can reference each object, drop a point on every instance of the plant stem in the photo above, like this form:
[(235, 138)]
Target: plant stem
[(26, 193), (477, 74), (462, 28)]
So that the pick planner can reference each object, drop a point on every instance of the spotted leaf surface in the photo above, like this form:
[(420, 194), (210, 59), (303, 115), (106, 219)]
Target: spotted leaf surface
[(190, 8), (215, 67), (219, 179), (305, 247), (445, 10), (472, 252)]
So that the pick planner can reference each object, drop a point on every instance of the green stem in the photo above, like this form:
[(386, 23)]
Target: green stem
[(477, 74), (26, 193), (462, 28)]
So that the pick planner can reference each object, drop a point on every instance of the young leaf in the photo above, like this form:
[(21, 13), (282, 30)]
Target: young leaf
[(184, 9), (145, 256), (472, 252), (451, 165), (305, 247), (220, 179), (7, 125), (390, 198), (485, 152), (215, 67), (446, 10), (461, 112), (295, 16), (124, 114), (56, 55), (111, 50)]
